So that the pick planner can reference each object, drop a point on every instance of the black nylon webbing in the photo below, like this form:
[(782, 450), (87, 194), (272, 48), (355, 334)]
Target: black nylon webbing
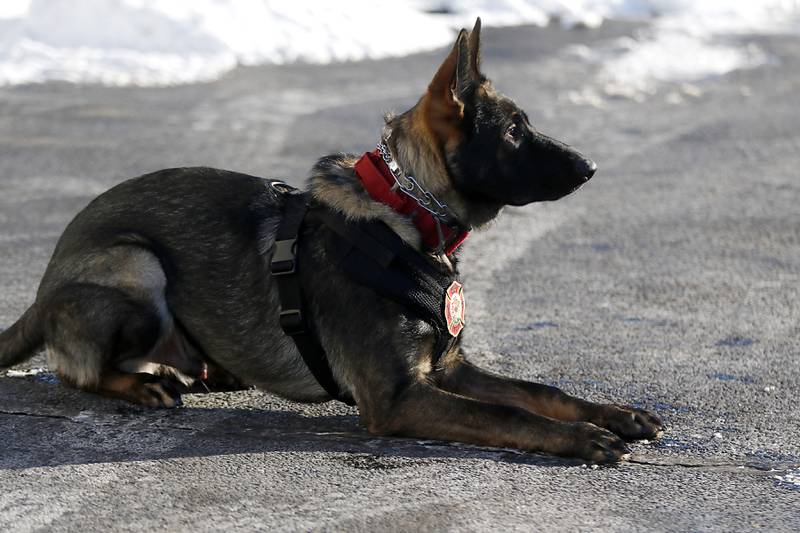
[(373, 256), (379, 259), (284, 270)]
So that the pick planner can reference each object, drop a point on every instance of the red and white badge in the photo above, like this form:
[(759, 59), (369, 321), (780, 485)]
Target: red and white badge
[(454, 306)]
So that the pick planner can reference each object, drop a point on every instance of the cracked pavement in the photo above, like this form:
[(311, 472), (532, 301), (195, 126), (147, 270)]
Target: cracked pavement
[(670, 281)]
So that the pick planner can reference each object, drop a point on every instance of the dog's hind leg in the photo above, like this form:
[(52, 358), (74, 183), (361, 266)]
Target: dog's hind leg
[(142, 388), (463, 378), (91, 330)]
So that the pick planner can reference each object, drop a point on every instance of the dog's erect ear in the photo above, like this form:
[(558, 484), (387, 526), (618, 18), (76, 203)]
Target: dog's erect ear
[(475, 50), (468, 69), (443, 90), (452, 84)]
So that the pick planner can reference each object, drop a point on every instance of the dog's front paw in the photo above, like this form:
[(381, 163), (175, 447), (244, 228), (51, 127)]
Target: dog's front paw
[(631, 423), (596, 444)]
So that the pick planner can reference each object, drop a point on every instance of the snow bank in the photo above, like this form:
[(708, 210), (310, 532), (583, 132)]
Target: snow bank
[(156, 42), (151, 42), (683, 43)]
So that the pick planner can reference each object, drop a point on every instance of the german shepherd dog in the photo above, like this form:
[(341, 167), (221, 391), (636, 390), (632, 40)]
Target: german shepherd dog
[(164, 282)]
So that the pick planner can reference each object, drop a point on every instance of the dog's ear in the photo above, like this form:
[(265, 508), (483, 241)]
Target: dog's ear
[(468, 69), (475, 51), (443, 90), (449, 88)]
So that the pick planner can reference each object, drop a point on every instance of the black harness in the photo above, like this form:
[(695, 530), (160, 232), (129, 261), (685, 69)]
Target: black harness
[(372, 255)]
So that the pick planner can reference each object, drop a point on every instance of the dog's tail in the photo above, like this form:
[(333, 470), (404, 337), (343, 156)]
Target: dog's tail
[(22, 340)]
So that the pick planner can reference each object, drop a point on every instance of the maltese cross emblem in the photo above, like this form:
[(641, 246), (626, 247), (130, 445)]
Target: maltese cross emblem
[(454, 308)]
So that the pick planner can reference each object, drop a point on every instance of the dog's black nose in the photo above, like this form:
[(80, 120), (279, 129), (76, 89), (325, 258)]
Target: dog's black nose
[(585, 168)]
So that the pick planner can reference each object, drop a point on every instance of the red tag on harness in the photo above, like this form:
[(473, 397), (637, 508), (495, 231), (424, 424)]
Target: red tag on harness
[(454, 308)]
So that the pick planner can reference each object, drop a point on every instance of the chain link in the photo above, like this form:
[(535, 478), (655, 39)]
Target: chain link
[(412, 188)]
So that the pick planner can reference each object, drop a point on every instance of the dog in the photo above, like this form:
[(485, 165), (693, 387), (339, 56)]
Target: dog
[(167, 282)]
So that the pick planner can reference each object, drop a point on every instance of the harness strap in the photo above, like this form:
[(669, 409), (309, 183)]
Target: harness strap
[(284, 270), (379, 259), (356, 237)]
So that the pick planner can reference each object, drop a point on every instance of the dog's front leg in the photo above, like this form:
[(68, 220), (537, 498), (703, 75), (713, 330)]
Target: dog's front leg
[(463, 378), (425, 411)]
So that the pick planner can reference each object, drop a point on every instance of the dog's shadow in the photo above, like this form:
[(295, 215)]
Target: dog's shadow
[(46, 424)]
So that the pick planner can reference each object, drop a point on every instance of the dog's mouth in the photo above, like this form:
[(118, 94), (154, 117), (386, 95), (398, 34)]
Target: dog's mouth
[(582, 171), (549, 194), (586, 174), (575, 189), (584, 181)]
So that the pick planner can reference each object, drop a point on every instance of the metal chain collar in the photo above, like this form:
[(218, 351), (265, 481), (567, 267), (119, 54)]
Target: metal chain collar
[(412, 188)]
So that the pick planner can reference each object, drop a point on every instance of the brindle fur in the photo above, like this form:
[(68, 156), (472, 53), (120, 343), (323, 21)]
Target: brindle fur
[(165, 277)]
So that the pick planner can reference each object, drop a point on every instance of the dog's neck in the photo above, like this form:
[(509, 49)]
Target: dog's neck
[(366, 189), (419, 153), (383, 178)]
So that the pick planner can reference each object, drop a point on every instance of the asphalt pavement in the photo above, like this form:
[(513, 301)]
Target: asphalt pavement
[(670, 281)]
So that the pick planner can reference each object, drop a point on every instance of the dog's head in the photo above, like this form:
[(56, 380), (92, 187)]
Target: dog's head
[(489, 152)]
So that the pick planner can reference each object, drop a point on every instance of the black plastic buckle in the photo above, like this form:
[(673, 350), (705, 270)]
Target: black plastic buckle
[(283, 259), (291, 321)]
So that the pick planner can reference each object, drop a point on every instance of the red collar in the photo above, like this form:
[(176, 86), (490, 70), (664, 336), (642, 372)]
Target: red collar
[(378, 181)]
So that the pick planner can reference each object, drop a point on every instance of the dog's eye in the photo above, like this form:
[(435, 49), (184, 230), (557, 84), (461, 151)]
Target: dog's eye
[(513, 133)]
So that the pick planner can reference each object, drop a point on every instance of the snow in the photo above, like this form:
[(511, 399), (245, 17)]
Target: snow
[(162, 42), (683, 43), (155, 42)]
